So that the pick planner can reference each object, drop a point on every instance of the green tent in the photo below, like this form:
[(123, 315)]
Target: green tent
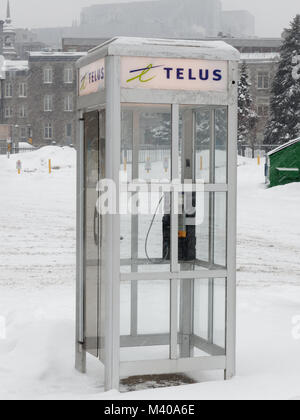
[(283, 164)]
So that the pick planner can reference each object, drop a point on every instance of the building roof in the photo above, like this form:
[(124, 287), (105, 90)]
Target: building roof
[(284, 146), (51, 54), (12, 65), (260, 57), (55, 56), (83, 41)]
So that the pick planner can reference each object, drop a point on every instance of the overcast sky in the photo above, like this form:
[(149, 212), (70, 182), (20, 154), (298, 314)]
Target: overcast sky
[(271, 15)]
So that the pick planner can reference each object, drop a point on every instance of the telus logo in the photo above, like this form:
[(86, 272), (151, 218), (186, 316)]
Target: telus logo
[(190, 74), (142, 73), (177, 74), (92, 77)]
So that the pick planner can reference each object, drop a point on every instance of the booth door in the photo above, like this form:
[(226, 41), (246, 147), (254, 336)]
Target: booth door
[(94, 171)]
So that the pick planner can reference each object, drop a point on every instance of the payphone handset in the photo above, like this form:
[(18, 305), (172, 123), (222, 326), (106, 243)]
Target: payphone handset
[(186, 228)]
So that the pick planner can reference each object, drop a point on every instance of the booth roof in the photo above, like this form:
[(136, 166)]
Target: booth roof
[(151, 47)]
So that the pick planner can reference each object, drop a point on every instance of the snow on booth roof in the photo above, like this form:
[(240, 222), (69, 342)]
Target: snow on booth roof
[(149, 47), (284, 146)]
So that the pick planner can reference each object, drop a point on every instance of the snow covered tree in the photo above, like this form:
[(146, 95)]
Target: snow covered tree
[(247, 116), (284, 122), (162, 133)]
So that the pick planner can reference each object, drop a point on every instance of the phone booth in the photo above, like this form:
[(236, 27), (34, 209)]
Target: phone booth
[(156, 209)]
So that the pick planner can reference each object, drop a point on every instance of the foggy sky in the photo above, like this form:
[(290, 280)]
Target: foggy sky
[(271, 16)]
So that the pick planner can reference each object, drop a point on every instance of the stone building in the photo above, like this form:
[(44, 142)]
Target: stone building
[(14, 99), (38, 98), (52, 97)]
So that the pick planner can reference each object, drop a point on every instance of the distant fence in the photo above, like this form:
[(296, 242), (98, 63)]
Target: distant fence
[(258, 150), (14, 151), (154, 155)]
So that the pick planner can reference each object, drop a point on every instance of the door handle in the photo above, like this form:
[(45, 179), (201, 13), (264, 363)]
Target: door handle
[(96, 226)]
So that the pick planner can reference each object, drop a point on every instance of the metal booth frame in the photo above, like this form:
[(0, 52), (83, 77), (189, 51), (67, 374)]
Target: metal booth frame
[(110, 97)]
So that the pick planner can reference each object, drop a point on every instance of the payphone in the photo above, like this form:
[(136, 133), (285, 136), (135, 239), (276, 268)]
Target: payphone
[(156, 289)]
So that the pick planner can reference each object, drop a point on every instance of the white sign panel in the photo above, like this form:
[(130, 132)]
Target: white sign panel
[(92, 78), (174, 74)]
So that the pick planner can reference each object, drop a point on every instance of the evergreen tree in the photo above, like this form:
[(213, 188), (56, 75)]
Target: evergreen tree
[(284, 122), (247, 116), (161, 134)]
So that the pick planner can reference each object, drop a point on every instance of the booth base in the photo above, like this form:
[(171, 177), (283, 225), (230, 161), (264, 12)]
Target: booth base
[(137, 383)]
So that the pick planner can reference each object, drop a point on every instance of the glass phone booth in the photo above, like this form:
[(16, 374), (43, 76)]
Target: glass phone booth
[(156, 207)]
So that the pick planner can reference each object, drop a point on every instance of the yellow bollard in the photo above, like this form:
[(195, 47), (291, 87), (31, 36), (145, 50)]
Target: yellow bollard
[(19, 167), (201, 163), (258, 160), (148, 165), (50, 166)]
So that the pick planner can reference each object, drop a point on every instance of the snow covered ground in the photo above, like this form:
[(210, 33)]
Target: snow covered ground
[(37, 258)]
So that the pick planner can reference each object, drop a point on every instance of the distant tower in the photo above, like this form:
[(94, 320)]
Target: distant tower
[(9, 36)]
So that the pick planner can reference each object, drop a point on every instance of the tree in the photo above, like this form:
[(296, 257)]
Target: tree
[(162, 133), (247, 116), (284, 122)]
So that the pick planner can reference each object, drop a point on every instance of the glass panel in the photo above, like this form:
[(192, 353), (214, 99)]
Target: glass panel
[(154, 307), (125, 308), (91, 242), (219, 315), (126, 143), (209, 328), (102, 239), (204, 246), (201, 308), (220, 229), (146, 156), (202, 318), (202, 234), (151, 340), (202, 144), (221, 145)]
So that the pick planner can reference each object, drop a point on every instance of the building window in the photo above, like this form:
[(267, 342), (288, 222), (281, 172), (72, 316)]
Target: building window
[(69, 130), (48, 131), (23, 134), (68, 75), (8, 90), (69, 103), (48, 103), (263, 110), (8, 112), (48, 75), (22, 111), (263, 80), (23, 90)]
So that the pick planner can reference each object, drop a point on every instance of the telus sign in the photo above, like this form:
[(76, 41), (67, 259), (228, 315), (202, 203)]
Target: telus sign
[(174, 74), (92, 78)]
